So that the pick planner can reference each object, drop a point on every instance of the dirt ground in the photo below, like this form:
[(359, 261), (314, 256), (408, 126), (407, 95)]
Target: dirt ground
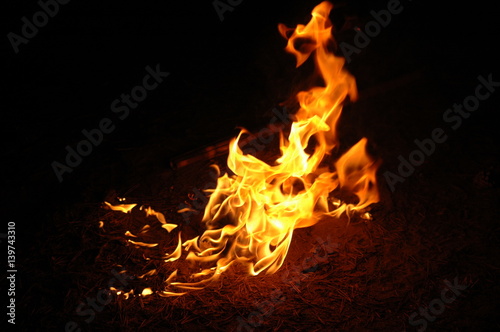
[(428, 259)]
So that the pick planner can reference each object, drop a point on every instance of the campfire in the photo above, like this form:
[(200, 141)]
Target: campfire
[(291, 224), (256, 206)]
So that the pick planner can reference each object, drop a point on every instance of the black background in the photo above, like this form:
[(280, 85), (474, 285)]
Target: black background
[(223, 74)]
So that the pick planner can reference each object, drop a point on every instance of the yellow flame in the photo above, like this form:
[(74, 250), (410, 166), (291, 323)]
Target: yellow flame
[(185, 210), (143, 244), (147, 291), (168, 294), (147, 274), (158, 215), (125, 208), (251, 215), (177, 252), (169, 227)]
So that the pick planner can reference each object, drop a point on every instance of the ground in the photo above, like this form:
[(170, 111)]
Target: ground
[(433, 237)]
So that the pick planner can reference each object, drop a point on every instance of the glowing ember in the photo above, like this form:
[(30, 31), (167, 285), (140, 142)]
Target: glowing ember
[(251, 215)]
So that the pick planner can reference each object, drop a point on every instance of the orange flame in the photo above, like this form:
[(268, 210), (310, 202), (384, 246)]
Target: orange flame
[(251, 215)]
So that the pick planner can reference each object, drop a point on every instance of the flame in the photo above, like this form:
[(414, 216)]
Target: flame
[(125, 208), (143, 244), (251, 215), (147, 274), (147, 291)]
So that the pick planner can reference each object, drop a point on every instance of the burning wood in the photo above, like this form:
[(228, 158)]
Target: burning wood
[(221, 147)]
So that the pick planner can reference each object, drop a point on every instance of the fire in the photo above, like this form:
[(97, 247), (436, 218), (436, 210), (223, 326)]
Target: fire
[(251, 215)]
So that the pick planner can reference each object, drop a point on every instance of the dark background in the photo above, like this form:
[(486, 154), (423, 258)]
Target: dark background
[(222, 75)]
